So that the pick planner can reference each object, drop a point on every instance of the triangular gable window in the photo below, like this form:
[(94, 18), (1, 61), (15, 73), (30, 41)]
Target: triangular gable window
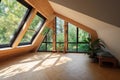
[(77, 39)]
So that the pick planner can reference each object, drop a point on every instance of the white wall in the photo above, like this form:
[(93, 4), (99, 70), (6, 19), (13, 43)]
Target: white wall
[(110, 34)]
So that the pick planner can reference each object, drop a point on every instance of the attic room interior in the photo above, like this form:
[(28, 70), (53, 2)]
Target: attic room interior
[(59, 40)]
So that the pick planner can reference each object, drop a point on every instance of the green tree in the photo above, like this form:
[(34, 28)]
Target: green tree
[(59, 30), (11, 14), (34, 27)]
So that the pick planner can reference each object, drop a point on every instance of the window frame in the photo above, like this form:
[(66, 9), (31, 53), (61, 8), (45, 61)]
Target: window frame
[(15, 34), (46, 42), (36, 33), (77, 42), (46, 47)]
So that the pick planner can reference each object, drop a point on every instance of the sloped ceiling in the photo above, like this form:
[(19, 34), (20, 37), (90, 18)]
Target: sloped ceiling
[(104, 10), (107, 28)]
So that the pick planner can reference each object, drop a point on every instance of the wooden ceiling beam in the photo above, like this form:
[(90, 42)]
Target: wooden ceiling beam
[(42, 6), (39, 38), (24, 29)]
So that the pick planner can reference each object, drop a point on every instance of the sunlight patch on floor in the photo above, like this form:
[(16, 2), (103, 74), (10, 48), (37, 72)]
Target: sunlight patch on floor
[(17, 68), (34, 63), (52, 61)]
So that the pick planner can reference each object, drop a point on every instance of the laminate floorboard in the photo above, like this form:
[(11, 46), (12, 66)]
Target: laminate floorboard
[(53, 66)]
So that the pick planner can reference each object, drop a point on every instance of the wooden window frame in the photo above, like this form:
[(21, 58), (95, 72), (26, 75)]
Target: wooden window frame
[(36, 33)]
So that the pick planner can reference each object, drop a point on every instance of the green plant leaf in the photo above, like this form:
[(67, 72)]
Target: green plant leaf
[(45, 30)]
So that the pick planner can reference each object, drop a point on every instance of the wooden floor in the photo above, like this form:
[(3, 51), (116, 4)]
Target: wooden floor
[(52, 66)]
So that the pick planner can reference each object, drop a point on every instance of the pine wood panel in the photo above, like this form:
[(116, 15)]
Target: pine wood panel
[(65, 36), (54, 36), (11, 52), (39, 38), (42, 6)]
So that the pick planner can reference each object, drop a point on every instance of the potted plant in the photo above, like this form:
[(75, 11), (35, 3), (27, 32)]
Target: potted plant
[(95, 47)]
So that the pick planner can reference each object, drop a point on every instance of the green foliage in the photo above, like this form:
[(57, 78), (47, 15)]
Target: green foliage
[(11, 14), (72, 33), (42, 47), (83, 47), (45, 30), (60, 46), (83, 36), (72, 47), (49, 36), (49, 47), (47, 42), (34, 27), (59, 30), (72, 37)]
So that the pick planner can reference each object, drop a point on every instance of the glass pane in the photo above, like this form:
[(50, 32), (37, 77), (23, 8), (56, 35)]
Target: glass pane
[(49, 36), (36, 23), (72, 33), (45, 39), (82, 36), (72, 47), (59, 30), (48, 41), (27, 36), (11, 15), (83, 47), (33, 29), (42, 47), (60, 46), (49, 47)]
